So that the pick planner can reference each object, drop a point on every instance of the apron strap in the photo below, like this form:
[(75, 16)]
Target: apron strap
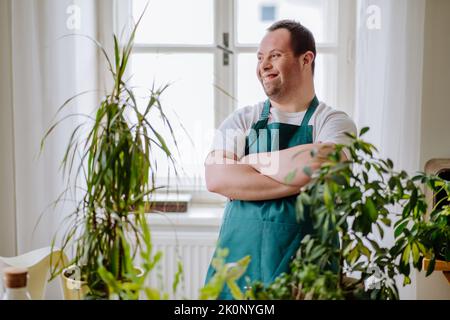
[(266, 111), (264, 118), (311, 109)]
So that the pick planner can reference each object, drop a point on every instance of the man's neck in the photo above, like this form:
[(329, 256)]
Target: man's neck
[(295, 103)]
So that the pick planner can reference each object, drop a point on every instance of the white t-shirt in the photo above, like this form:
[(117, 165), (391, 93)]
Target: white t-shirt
[(329, 125)]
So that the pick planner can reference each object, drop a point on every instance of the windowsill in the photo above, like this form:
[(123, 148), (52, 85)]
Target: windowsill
[(198, 215)]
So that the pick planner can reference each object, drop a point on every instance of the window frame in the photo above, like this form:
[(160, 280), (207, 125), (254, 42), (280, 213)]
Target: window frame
[(225, 21)]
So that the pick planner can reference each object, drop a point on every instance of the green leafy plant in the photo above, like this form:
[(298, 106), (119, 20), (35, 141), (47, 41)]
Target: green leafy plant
[(117, 169), (136, 288), (434, 233), (355, 201), (226, 275)]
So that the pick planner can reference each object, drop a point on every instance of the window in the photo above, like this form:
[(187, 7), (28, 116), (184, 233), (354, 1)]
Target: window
[(207, 49)]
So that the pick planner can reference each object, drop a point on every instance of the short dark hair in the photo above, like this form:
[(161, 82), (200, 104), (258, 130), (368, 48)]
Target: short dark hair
[(302, 40)]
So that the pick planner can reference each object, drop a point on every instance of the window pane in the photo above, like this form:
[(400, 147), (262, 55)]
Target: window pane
[(250, 90), (175, 21), (325, 76), (188, 102), (255, 16)]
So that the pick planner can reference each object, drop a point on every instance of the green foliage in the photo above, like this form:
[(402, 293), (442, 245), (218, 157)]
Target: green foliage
[(309, 283), (435, 233), (116, 171), (132, 287), (354, 201), (226, 274)]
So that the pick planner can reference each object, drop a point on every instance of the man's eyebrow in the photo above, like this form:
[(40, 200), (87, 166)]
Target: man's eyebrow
[(273, 50)]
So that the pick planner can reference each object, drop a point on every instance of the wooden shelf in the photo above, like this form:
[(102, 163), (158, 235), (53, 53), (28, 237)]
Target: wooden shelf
[(440, 265)]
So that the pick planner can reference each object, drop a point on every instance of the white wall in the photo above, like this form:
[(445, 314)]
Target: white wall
[(435, 142), (7, 207), (436, 82)]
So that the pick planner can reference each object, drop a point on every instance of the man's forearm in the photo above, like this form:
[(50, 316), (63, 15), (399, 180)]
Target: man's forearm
[(243, 182), (279, 165)]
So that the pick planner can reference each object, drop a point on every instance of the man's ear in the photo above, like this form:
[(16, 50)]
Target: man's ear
[(307, 59)]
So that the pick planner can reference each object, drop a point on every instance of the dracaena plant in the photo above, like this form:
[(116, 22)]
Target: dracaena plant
[(351, 204), (116, 153)]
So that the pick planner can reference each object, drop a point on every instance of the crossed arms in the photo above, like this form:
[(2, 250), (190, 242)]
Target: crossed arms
[(262, 176)]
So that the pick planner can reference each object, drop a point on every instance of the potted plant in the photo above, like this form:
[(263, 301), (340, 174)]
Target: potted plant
[(351, 205), (108, 228), (355, 201), (435, 230)]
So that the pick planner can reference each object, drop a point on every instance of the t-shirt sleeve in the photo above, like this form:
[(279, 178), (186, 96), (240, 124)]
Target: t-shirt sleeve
[(334, 127), (230, 136)]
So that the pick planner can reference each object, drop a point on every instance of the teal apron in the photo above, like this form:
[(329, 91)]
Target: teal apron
[(267, 230)]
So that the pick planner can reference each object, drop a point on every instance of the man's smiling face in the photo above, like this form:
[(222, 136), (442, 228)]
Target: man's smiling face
[(278, 70)]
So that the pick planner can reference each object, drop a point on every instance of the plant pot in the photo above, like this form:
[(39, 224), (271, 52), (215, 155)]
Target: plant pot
[(73, 287), (76, 289), (440, 265)]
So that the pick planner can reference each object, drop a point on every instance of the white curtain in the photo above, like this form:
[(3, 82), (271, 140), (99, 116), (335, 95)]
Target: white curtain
[(48, 65), (48, 68), (389, 62)]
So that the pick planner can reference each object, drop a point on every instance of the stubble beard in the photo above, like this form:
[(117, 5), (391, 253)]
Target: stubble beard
[(272, 91)]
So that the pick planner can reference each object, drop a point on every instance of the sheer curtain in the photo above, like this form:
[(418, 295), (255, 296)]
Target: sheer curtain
[(47, 66), (389, 60), (389, 63)]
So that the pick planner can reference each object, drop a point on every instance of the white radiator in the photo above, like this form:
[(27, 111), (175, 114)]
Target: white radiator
[(190, 241), (193, 251)]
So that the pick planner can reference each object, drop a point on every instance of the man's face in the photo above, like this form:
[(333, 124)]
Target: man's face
[(278, 70)]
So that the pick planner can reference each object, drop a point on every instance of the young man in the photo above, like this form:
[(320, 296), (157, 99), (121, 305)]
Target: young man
[(257, 147)]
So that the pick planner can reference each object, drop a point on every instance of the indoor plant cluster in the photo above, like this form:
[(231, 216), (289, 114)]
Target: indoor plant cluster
[(351, 204)]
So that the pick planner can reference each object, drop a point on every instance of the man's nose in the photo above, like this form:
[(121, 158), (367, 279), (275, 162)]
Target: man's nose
[(265, 64)]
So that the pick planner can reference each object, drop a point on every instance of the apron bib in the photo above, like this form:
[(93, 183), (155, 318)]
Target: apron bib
[(267, 230)]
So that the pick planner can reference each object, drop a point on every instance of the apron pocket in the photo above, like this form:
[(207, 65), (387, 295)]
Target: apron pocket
[(280, 242)]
